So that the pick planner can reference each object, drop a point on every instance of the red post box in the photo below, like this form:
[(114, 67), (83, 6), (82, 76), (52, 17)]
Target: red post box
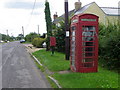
[(52, 41), (84, 43)]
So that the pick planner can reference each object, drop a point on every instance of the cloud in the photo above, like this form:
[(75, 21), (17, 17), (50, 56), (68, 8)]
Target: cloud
[(23, 5)]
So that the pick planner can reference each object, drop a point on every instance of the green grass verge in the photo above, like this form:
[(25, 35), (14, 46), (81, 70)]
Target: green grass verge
[(39, 67), (101, 79), (53, 63), (26, 42), (53, 85)]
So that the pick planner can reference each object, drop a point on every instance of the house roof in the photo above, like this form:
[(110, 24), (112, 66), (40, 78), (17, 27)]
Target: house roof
[(81, 10), (111, 10), (63, 16), (107, 10), (74, 12)]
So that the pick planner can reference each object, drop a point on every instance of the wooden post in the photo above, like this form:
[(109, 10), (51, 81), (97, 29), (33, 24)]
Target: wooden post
[(67, 41)]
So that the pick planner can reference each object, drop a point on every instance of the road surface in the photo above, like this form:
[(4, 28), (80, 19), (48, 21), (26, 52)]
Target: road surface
[(18, 68)]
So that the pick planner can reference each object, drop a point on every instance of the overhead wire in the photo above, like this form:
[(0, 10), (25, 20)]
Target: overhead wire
[(31, 14), (33, 7)]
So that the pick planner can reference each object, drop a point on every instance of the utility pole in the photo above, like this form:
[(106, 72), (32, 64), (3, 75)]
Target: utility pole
[(38, 31), (7, 32), (23, 31), (7, 35), (119, 10), (67, 40)]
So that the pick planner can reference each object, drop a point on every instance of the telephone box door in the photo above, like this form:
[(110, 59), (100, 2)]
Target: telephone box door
[(89, 48)]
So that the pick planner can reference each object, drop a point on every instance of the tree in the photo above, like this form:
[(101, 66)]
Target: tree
[(6, 37), (20, 36), (48, 24), (59, 33), (31, 36)]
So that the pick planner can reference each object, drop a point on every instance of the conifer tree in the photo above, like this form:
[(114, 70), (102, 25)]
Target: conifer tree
[(48, 24)]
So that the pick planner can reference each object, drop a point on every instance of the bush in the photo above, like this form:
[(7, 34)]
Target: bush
[(34, 41), (60, 40), (37, 42), (109, 45), (59, 33)]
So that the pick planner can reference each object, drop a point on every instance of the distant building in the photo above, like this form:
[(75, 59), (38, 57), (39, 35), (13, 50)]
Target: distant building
[(104, 13)]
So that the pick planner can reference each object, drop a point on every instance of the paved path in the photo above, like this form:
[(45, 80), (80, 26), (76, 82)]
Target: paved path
[(18, 68)]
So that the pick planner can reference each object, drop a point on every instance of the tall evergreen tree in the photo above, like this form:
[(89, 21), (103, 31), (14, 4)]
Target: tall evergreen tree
[(48, 24)]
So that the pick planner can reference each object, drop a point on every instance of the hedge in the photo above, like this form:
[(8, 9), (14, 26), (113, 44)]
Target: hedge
[(109, 45), (37, 42)]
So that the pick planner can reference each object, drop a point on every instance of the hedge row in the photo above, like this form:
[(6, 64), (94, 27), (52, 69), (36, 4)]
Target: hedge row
[(109, 45)]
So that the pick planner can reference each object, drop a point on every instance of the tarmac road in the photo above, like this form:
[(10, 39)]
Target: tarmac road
[(18, 68)]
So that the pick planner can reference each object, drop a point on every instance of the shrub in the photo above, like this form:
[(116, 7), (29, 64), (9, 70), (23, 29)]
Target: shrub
[(59, 33), (109, 45), (34, 41), (60, 40), (37, 42)]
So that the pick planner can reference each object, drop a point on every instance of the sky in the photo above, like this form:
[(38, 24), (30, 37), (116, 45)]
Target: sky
[(17, 13)]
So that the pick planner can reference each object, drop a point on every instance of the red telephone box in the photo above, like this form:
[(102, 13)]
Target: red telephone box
[(84, 43)]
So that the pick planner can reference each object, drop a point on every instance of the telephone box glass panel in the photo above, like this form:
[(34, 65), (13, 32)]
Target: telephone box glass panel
[(88, 54), (88, 43), (73, 46), (88, 65), (88, 28), (73, 28), (88, 60), (73, 38), (88, 49), (88, 38), (73, 33)]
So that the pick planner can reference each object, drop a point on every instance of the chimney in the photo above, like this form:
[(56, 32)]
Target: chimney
[(55, 16), (78, 5)]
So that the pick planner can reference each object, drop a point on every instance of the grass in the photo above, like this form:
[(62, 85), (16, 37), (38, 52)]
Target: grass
[(39, 67), (102, 79), (26, 42), (53, 63), (53, 85)]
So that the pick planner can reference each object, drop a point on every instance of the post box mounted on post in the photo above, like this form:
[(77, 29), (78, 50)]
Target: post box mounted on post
[(84, 43), (52, 44)]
